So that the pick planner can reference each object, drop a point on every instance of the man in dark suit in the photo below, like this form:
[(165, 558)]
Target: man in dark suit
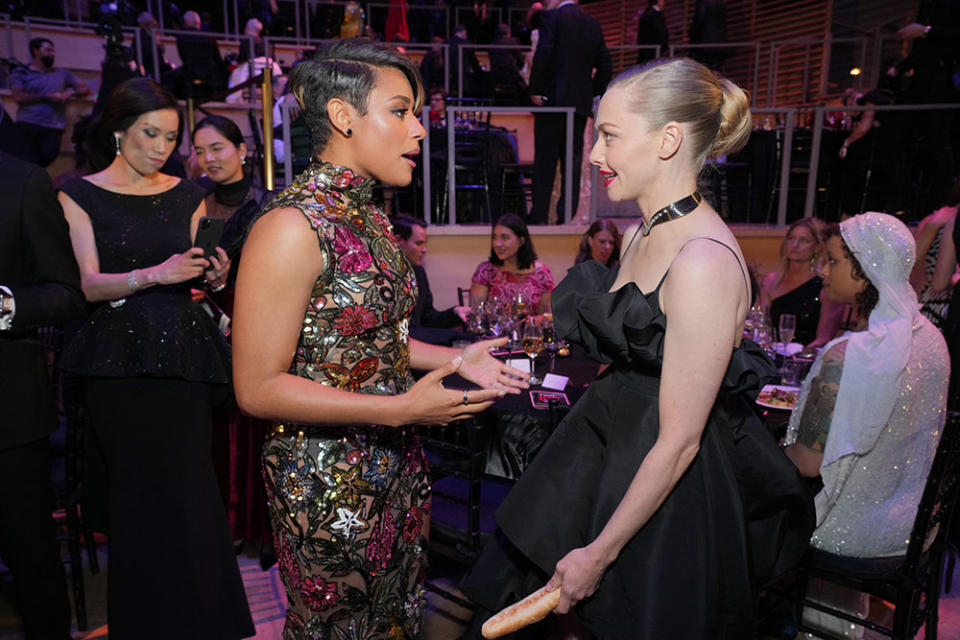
[(471, 66), (426, 323), (709, 26), (39, 286), (652, 29), (571, 66), (203, 71)]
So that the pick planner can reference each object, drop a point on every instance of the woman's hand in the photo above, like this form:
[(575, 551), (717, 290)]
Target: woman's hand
[(577, 575), (483, 369), (179, 267), (219, 269), (463, 312), (428, 402)]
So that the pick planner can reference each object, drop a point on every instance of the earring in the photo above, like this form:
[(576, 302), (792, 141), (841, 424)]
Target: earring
[(349, 132), (116, 139), (243, 161)]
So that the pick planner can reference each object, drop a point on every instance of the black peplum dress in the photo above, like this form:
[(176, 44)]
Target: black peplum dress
[(738, 516), (152, 367)]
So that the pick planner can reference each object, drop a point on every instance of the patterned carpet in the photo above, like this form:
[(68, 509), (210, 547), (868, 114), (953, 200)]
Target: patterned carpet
[(265, 595), (444, 620)]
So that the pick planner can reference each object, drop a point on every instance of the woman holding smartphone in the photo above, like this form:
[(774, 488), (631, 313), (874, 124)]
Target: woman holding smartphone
[(152, 361)]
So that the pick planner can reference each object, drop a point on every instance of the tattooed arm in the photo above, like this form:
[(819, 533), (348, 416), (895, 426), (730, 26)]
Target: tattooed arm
[(807, 451)]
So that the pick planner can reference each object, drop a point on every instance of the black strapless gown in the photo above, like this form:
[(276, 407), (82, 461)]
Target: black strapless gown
[(739, 515)]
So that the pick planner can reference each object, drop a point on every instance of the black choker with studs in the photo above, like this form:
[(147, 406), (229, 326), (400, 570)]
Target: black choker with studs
[(673, 211)]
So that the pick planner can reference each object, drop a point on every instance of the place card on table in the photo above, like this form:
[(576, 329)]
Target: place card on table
[(553, 381), (520, 363)]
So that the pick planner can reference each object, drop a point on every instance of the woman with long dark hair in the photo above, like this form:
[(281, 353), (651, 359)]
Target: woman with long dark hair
[(601, 243), (152, 361), (322, 347)]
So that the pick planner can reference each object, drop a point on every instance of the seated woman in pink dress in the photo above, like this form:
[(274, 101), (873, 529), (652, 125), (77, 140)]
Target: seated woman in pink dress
[(513, 268)]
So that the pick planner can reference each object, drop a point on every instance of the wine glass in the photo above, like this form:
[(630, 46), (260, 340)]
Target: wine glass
[(533, 346), (763, 332), (521, 306), (788, 327), (478, 319)]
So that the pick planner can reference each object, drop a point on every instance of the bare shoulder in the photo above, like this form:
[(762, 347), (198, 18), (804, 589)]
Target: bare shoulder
[(282, 226), (707, 257)]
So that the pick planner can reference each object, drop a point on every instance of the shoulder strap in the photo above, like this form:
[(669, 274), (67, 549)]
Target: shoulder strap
[(746, 281), (634, 237)]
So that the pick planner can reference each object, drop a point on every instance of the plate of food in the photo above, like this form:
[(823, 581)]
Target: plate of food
[(778, 396)]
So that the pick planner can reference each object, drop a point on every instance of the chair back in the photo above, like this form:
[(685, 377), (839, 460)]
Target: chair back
[(931, 527)]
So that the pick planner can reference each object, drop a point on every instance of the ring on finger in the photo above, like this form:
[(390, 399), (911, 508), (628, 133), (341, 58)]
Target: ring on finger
[(466, 399)]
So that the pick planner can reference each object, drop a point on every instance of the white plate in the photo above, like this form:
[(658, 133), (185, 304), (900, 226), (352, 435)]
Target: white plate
[(770, 388), (788, 349)]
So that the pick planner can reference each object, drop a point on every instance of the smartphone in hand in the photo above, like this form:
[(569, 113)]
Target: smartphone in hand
[(208, 236)]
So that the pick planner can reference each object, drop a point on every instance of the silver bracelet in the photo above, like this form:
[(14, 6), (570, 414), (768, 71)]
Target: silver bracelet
[(132, 281)]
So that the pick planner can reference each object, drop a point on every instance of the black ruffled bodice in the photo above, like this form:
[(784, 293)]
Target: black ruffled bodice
[(739, 515), (627, 327), (158, 331)]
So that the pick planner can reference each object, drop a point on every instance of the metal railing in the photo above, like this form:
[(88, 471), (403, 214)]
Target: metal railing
[(747, 63), (818, 129), (451, 112)]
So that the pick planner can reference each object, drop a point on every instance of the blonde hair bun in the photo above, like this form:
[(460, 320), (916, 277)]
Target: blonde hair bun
[(736, 123), (716, 110)]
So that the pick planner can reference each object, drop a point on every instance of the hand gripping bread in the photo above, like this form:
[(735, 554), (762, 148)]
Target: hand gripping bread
[(533, 608)]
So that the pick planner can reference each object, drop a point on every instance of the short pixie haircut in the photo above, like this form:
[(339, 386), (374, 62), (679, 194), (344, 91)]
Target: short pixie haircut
[(345, 69)]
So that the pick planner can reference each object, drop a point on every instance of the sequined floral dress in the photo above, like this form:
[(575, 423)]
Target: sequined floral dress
[(349, 505)]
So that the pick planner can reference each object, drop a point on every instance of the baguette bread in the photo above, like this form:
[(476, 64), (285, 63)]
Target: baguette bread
[(533, 608)]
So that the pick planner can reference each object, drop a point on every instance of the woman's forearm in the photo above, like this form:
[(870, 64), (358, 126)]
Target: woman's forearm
[(99, 287), (426, 357), (658, 474), (285, 397)]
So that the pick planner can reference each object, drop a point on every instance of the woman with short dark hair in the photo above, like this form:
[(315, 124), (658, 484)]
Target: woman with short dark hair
[(321, 346), (870, 413)]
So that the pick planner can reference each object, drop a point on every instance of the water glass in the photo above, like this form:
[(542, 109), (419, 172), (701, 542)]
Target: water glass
[(791, 372)]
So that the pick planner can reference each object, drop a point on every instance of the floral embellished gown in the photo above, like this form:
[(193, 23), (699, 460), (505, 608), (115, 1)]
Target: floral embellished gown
[(349, 505)]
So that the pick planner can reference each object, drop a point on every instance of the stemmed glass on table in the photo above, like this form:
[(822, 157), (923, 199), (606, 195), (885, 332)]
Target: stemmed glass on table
[(788, 327), (533, 346)]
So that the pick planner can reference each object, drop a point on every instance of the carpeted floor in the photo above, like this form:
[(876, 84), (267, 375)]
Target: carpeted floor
[(444, 619), (265, 595)]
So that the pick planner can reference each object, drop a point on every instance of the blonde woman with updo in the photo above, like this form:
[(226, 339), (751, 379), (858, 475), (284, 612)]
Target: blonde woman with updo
[(639, 508)]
